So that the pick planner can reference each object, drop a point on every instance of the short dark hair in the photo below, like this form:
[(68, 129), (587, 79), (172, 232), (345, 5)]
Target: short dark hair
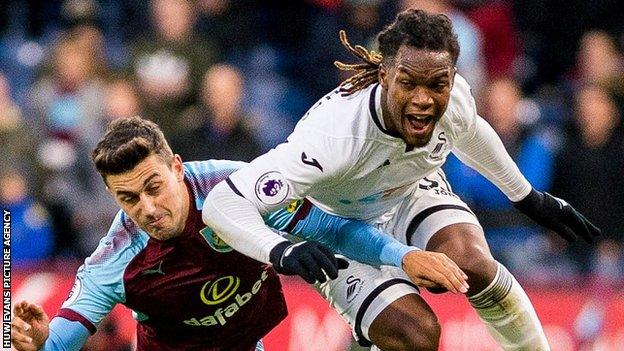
[(126, 143), (413, 27), (420, 30)]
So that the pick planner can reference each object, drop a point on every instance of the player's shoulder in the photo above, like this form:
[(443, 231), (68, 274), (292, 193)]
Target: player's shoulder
[(461, 95), (123, 241), (339, 115), (461, 110), (202, 176)]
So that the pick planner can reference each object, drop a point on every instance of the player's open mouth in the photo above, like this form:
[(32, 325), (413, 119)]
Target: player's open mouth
[(419, 124)]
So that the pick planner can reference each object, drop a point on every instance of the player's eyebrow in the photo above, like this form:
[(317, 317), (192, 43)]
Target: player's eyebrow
[(145, 183), (441, 72)]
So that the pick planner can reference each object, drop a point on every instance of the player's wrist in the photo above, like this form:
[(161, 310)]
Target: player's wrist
[(277, 252), (394, 253), (530, 202)]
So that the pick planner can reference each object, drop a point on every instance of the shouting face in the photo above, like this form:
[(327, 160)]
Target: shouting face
[(416, 91)]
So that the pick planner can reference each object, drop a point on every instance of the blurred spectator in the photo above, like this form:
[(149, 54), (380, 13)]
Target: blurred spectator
[(67, 104), (16, 141), (513, 238), (32, 239), (600, 62), (67, 100), (592, 160), (121, 99), (361, 19), (230, 23), (217, 126), (495, 20), (169, 64), (551, 31), (470, 63)]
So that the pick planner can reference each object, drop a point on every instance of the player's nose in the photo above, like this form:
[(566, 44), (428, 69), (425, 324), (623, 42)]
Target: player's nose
[(148, 205), (421, 98)]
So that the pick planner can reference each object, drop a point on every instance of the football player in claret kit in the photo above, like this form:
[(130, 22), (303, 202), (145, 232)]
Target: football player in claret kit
[(372, 150)]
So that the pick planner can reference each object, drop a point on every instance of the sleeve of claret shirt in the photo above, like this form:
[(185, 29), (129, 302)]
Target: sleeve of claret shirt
[(98, 286), (234, 208), (65, 335), (354, 239), (478, 146)]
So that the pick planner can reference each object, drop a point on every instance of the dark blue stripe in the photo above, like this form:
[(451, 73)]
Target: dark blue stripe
[(368, 300), (420, 217), (233, 187)]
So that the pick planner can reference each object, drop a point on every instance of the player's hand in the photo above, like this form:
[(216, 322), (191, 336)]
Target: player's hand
[(557, 215), (434, 270), (29, 327), (310, 260)]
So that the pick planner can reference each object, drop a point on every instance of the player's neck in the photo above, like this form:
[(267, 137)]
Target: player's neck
[(185, 191)]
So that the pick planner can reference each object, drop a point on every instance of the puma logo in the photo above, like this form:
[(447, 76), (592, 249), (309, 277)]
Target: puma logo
[(154, 271)]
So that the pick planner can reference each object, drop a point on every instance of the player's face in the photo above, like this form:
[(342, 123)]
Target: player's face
[(154, 195), (416, 92)]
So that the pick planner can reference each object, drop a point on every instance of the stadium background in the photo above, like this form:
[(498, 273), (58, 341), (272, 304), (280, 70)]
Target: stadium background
[(229, 79)]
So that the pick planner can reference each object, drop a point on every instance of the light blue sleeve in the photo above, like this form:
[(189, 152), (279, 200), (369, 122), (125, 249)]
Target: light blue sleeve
[(65, 335), (99, 282), (354, 239)]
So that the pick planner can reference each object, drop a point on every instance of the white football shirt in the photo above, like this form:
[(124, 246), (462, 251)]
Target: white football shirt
[(342, 159)]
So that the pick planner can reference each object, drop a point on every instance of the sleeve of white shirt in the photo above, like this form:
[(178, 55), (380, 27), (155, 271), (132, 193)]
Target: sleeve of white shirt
[(289, 172), (309, 159), (479, 147)]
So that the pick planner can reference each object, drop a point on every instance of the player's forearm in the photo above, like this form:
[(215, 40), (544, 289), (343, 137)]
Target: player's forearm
[(65, 335), (484, 152), (238, 222), (354, 239)]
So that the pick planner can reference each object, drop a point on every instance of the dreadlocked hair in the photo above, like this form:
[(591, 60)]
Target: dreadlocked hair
[(414, 28), (367, 71)]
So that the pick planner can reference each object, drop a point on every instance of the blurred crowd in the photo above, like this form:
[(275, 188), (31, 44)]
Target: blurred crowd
[(230, 78)]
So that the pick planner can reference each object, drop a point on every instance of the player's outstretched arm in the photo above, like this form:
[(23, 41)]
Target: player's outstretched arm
[(364, 243), (484, 151), (557, 215), (32, 330)]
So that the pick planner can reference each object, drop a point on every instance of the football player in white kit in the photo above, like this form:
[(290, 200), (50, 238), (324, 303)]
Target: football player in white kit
[(372, 150)]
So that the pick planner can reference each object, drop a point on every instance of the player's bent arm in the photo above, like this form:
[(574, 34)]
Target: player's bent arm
[(65, 335), (239, 223), (483, 150), (354, 239)]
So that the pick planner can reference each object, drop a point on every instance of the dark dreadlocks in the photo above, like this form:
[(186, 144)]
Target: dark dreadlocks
[(412, 27)]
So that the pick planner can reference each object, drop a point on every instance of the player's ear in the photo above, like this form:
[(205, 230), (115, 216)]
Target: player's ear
[(383, 76), (178, 167)]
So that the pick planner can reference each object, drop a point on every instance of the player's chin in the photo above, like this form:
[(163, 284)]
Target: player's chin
[(418, 140), (161, 233), (437, 290)]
